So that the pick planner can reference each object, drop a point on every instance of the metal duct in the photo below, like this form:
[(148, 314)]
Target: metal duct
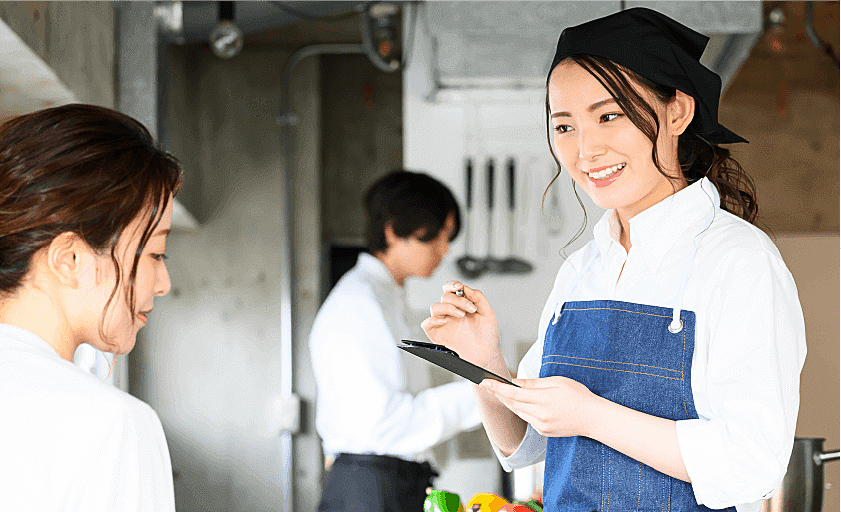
[(510, 44)]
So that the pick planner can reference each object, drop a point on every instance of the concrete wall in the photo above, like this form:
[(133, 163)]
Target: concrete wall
[(209, 361), (363, 132), (76, 39)]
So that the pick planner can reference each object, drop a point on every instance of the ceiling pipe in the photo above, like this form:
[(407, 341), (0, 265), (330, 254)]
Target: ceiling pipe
[(200, 17)]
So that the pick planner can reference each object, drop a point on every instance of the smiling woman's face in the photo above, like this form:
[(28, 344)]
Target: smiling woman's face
[(603, 151), (152, 279)]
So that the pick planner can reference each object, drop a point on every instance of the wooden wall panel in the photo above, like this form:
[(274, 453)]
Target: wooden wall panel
[(785, 101)]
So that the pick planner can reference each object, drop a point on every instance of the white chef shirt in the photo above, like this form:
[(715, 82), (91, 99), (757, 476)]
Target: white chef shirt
[(750, 340), (72, 442), (364, 404)]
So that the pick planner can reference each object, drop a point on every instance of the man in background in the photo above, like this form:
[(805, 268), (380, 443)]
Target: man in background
[(376, 434)]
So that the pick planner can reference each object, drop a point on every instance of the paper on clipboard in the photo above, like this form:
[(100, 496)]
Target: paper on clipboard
[(449, 360)]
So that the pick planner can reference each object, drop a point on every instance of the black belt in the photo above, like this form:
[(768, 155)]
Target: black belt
[(402, 467), (375, 483)]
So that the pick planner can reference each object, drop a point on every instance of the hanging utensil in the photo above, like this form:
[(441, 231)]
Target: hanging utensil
[(803, 485), (512, 264), (470, 266), (491, 264)]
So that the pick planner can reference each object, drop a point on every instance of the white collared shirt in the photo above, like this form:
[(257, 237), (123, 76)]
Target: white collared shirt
[(70, 441), (364, 402), (750, 340)]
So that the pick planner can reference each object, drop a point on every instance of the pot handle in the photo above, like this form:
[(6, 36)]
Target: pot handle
[(820, 458)]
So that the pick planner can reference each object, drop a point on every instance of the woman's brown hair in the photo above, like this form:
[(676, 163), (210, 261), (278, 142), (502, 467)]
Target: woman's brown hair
[(83, 169), (698, 157)]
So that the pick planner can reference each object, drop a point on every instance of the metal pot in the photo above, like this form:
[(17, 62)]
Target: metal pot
[(803, 485)]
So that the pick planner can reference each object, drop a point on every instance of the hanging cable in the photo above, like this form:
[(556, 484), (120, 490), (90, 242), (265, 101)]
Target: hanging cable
[(817, 41), (305, 16)]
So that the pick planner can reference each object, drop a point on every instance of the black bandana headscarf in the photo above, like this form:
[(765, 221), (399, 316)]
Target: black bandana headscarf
[(659, 49)]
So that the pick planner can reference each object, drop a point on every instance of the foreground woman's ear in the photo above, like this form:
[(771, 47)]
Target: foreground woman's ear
[(64, 258), (680, 112)]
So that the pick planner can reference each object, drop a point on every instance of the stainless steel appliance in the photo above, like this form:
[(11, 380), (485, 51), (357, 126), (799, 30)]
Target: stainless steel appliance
[(803, 485)]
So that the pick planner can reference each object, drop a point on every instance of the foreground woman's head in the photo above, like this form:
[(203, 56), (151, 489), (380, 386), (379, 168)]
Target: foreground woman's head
[(85, 206)]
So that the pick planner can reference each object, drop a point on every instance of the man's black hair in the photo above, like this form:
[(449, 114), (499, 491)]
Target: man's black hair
[(412, 203)]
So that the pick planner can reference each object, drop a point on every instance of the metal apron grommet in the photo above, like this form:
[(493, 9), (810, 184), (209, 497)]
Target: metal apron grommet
[(675, 326)]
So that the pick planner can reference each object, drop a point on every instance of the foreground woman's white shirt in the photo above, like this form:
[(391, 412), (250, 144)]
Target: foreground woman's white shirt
[(71, 442)]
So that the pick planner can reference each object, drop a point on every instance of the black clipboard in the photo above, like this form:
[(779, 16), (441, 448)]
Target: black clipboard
[(449, 360)]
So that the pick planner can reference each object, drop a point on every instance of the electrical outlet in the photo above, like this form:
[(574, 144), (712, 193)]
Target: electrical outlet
[(287, 414)]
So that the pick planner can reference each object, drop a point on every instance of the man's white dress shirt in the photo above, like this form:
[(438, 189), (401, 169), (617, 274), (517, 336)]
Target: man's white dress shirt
[(750, 340), (364, 402), (70, 441)]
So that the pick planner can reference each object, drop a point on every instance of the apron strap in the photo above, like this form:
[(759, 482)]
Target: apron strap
[(676, 325), (570, 288)]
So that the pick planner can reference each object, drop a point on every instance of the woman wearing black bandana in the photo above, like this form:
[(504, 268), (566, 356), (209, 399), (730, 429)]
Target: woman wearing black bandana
[(666, 372)]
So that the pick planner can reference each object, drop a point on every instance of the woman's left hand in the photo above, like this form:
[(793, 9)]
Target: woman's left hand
[(553, 406)]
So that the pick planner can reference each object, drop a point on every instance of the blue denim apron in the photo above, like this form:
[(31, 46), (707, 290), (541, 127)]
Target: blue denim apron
[(636, 355)]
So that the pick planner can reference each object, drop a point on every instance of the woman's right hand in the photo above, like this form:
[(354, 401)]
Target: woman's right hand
[(465, 324)]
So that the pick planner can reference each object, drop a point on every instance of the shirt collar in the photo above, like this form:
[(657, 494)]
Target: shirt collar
[(657, 229), (388, 291), (27, 338), (376, 269)]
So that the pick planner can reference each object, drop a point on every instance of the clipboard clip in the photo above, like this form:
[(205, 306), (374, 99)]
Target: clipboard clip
[(431, 346)]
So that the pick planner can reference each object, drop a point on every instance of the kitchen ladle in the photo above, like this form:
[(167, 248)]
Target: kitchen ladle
[(492, 264), (470, 266), (512, 264)]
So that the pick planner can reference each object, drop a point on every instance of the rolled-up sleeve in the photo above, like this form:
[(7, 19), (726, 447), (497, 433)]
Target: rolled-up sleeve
[(532, 448), (738, 449)]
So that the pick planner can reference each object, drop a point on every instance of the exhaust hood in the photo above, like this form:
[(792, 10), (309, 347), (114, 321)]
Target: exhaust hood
[(481, 44)]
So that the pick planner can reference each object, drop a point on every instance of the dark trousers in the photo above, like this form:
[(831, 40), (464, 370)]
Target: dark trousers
[(375, 483)]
